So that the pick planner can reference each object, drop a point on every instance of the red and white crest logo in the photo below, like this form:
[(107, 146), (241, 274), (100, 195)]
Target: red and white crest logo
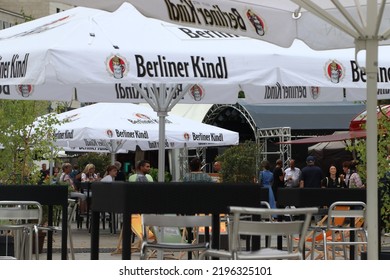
[(256, 22), (25, 90), (197, 92), (109, 133), (315, 92), (186, 136), (117, 66), (334, 71), (142, 116)]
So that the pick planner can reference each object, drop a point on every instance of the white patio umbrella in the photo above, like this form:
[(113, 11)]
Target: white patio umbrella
[(121, 127), (360, 24)]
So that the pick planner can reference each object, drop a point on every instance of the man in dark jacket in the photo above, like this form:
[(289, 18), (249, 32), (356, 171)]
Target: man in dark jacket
[(311, 175)]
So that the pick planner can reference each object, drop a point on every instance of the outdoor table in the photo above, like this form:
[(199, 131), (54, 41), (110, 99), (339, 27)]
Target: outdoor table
[(168, 198), (309, 197), (45, 195)]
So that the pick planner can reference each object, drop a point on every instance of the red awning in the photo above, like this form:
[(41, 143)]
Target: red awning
[(360, 120), (329, 138)]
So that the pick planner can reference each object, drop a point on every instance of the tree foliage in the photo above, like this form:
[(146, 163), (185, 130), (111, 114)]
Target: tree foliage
[(239, 163), (24, 139), (101, 162), (383, 167)]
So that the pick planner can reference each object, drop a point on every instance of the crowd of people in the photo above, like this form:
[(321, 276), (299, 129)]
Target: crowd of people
[(310, 176)]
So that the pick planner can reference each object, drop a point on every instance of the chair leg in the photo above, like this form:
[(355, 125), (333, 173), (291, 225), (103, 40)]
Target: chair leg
[(36, 242), (71, 246)]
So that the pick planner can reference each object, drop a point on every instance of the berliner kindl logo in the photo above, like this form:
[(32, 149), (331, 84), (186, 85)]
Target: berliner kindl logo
[(334, 71), (197, 92), (257, 22), (109, 132), (314, 92), (117, 66), (25, 90), (186, 136), (142, 116)]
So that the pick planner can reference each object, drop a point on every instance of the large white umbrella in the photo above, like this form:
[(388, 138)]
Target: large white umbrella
[(119, 127), (361, 24)]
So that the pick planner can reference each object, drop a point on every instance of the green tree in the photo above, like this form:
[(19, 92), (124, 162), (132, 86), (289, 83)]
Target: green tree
[(101, 161), (383, 167), (25, 139), (240, 163)]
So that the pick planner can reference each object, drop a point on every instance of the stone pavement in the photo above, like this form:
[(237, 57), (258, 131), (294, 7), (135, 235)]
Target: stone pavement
[(108, 243), (82, 244)]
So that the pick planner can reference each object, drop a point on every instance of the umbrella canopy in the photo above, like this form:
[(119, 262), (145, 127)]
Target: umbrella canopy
[(96, 52), (120, 127)]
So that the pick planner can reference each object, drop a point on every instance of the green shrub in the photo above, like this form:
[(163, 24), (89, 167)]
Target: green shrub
[(239, 163)]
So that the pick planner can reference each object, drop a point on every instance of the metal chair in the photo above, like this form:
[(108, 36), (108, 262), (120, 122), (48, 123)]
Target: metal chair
[(264, 227), (165, 228), (20, 219), (72, 209), (341, 232)]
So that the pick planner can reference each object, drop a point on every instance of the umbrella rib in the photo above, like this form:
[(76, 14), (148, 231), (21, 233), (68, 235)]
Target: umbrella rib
[(380, 16), (174, 102), (349, 18)]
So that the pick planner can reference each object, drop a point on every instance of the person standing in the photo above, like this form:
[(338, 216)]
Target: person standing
[(217, 167), (121, 175), (266, 178), (56, 174), (332, 180), (278, 180), (44, 173), (196, 174), (142, 172), (352, 178), (311, 175), (292, 175)]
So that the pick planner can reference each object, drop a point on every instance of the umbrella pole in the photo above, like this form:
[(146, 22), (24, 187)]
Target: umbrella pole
[(161, 145), (372, 132), (372, 149)]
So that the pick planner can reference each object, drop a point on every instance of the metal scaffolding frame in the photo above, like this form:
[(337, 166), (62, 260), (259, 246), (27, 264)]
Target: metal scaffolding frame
[(262, 136), (283, 134)]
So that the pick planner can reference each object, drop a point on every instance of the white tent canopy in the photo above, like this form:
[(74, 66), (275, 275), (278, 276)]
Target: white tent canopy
[(126, 126)]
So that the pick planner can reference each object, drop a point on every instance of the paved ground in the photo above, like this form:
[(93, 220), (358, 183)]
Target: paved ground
[(108, 245), (82, 241)]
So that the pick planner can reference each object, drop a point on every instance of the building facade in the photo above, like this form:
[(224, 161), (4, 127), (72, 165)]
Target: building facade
[(17, 11)]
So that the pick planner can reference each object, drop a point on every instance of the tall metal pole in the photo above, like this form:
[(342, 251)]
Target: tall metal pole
[(372, 132)]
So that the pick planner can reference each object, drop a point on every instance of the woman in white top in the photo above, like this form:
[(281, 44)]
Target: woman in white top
[(111, 173)]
